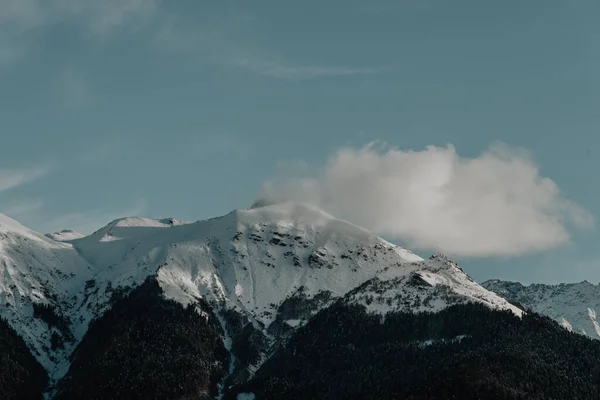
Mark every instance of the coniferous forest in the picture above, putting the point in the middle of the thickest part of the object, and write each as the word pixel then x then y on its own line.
pixel 21 376
pixel 148 347
pixel 462 352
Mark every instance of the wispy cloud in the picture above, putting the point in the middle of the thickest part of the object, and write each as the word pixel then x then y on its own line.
pixel 11 178
pixel 283 70
pixel 228 44
pixel 101 19
pixel 107 16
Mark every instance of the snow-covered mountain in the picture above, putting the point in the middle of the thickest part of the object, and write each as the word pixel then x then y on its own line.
pixel 65 235
pixel 35 269
pixel 572 305
pixel 260 263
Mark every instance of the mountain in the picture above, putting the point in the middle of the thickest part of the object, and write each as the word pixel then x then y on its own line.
pixel 65 235
pixel 146 308
pixel 572 305
pixel 40 280
pixel 249 261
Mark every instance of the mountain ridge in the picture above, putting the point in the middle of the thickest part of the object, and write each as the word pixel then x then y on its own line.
pixel 573 305
pixel 250 261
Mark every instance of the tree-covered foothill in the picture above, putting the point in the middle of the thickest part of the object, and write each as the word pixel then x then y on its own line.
pixel 21 376
pixel 463 352
pixel 148 347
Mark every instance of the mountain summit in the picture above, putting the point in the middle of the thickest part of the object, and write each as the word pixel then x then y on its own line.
pixel 250 261
pixel 217 308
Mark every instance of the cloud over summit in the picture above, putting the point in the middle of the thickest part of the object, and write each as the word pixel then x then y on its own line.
pixel 490 205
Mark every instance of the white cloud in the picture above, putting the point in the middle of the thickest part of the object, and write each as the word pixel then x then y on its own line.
pixel 89 221
pixel 494 204
pixel 11 178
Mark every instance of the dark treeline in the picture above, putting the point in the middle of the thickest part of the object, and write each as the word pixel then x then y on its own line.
pixel 148 347
pixel 463 352
pixel 48 314
pixel 21 376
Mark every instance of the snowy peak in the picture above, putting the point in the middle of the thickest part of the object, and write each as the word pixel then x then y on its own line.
pixel 254 262
pixel 430 285
pixel 573 305
pixel 37 270
pixel 284 212
pixel 65 235
pixel 172 222
pixel 117 227
pixel 309 219
pixel 263 255
pixel 255 259
pixel 279 249
pixel 14 236
pixel 12 228
pixel 263 202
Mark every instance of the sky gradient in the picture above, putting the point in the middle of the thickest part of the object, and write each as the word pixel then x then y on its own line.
pixel 185 108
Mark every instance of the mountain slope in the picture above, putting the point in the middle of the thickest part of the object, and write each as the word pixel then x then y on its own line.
pixel 178 353
pixel 465 351
pixel 572 305
pixel 253 262
pixel 264 273
pixel 21 376
pixel 38 271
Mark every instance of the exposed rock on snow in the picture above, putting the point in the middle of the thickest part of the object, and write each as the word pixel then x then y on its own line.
pixel 274 266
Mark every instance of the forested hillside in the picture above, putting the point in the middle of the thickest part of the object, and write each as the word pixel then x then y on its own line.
pixel 462 352
pixel 148 347
pixel 21 376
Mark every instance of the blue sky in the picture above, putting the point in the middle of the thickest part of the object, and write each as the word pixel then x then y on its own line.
pixel 187 108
